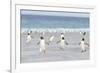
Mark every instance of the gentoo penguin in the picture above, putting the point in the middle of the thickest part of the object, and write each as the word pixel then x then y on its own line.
pixel 42 43
pixel 62 43
pixel 29 38
pixel 83 45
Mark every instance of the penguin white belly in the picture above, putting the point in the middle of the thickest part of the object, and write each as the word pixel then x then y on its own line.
pixel 51 38
pixel 62 36
pixel 82 45
pixel 62 43
pixel 42 45
pixel 29 39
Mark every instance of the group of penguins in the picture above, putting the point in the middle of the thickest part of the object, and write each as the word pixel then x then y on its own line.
pixel 62 42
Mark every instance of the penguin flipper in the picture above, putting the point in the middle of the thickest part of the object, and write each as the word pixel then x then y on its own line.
pixel 79 43
pixel 58 42
pixel 38 43
pixel 47 43
pixel 66 43
pixel 87 44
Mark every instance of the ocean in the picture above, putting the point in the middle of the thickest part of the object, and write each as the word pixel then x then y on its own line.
pixel 45 21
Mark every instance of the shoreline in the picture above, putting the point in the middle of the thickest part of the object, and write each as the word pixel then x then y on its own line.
pixel 24 30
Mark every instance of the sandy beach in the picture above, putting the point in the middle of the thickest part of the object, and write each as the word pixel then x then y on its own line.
pixel 30 51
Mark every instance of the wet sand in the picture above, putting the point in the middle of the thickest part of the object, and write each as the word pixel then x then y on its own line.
pixel 30 51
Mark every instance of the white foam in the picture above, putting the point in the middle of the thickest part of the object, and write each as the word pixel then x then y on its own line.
pixel 41 30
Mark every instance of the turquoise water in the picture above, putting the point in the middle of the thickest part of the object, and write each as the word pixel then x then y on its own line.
pixel 46 21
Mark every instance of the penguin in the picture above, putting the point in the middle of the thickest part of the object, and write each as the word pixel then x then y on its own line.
pixel 62 35
pixel 83 33
pixel 83 45
pixel 42 43
pixel 29 38
pixel 62 43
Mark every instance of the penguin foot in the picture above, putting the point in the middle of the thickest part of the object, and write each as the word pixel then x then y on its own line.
pixel 61 48
pixel 44 51
pixel 83 51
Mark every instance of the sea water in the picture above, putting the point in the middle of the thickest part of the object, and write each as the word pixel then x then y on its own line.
pixel 40 21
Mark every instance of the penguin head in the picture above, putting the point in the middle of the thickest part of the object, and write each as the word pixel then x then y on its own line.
pixel 62 38
pixel 83 39
pixel 41 37
pixel 28 33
